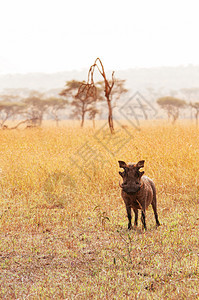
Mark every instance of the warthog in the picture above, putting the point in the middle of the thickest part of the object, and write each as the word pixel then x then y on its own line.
pixel 138 192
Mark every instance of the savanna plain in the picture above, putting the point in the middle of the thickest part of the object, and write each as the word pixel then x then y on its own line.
pixel 63 224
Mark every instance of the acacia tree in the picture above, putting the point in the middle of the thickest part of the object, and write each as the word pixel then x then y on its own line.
pixel 71 89
pixel 191 94
pixel 172 106
pixel 82 100
pixel 196 107
pixel 91 89
pixel 36 107
pixel 54 105
pixel 92 114
pixel 82 104
pixel 9 109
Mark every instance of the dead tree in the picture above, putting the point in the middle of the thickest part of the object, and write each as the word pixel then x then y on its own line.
pixel 89 88
pixel 196 107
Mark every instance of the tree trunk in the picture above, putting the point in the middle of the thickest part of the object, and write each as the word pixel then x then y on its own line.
pixel 94 123
pixel 40 119
pixel 4 120
pixel 197 115
pixel 175 112
pixel 110 116
pixel 57 120
pixel 82 122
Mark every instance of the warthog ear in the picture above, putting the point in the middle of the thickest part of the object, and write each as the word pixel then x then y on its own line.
pixel 140 164
pixel 122 164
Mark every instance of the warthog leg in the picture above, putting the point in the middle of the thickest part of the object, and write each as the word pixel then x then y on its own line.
pixel 136 217
pixel 128 209
pixel 143 219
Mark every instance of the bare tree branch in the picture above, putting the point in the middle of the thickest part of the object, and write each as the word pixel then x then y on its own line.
pixel 90 85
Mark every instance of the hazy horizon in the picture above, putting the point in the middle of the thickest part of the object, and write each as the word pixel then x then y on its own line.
pixel 140 79
pixel 108 70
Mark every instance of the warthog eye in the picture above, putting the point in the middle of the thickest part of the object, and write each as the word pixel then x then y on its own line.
pixel 124 173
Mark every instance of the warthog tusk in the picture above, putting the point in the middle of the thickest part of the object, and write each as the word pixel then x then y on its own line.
pixel 120 184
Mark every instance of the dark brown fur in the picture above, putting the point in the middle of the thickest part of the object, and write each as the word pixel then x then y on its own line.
pixel 138 192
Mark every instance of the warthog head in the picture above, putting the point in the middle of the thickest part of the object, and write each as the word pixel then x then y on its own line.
pixel 131 176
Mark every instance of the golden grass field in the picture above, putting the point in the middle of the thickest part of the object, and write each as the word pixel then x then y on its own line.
pixel 63 224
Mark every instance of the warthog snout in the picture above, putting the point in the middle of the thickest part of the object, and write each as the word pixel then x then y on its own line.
pixel 130 188
pixel 138 191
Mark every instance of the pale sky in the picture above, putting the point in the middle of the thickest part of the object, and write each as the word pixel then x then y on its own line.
pixel 60 35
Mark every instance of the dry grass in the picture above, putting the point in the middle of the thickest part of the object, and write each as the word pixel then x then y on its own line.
pixel 63 225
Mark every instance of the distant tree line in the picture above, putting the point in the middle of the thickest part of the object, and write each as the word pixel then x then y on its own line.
pixel 83 100
pixel 31 109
